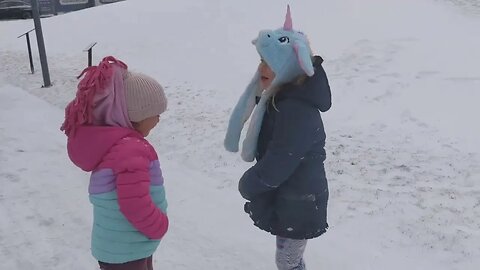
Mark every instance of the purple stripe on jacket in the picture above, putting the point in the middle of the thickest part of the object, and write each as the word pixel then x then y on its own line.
pixel 103 181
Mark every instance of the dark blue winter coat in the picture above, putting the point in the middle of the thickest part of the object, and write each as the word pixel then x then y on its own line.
pixel 287 187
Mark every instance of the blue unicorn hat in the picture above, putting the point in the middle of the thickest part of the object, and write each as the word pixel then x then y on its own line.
pixel 288 54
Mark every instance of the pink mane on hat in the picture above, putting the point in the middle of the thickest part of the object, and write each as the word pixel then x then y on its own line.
pixel 80 111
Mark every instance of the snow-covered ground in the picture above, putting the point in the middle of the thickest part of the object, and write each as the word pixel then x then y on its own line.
pixel 402 135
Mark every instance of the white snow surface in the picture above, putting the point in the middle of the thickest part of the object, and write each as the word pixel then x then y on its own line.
pixel 402 135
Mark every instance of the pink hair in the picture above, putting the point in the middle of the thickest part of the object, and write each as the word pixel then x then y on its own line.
pixel 80 111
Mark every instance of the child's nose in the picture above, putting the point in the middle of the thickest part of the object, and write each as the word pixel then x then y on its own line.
pixel 261 67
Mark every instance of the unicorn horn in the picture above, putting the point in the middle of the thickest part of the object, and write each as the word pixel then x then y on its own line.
pixel 288 20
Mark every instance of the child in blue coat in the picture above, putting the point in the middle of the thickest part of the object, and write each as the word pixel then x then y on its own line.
pixel 287 188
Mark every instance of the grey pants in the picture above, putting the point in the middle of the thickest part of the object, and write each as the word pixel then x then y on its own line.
pixel 290 254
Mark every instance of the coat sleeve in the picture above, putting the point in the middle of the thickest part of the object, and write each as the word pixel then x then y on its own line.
pixel 293 136
pixel 320 81
pixel 133 189
pixel 326 100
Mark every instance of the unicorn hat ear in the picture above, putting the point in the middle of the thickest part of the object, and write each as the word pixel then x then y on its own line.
pixel 304 57
pixel 241 113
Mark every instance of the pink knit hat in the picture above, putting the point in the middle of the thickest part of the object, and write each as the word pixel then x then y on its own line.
pixel 110 95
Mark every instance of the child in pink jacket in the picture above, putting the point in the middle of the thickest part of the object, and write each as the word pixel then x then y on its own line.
pixel 114 109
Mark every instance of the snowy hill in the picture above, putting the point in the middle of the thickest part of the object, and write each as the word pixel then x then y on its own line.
pixel 402 135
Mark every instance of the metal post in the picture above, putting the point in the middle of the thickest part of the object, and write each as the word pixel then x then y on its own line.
pixel 41 44
pixel 90 57
pixel 27 35
pixel 32 68
pixel 89 49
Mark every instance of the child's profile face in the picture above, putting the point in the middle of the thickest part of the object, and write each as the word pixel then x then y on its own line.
pixel 266 75
pixel 146 125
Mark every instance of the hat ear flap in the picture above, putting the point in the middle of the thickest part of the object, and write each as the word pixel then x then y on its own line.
pixel 304 58
pixel 241 113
